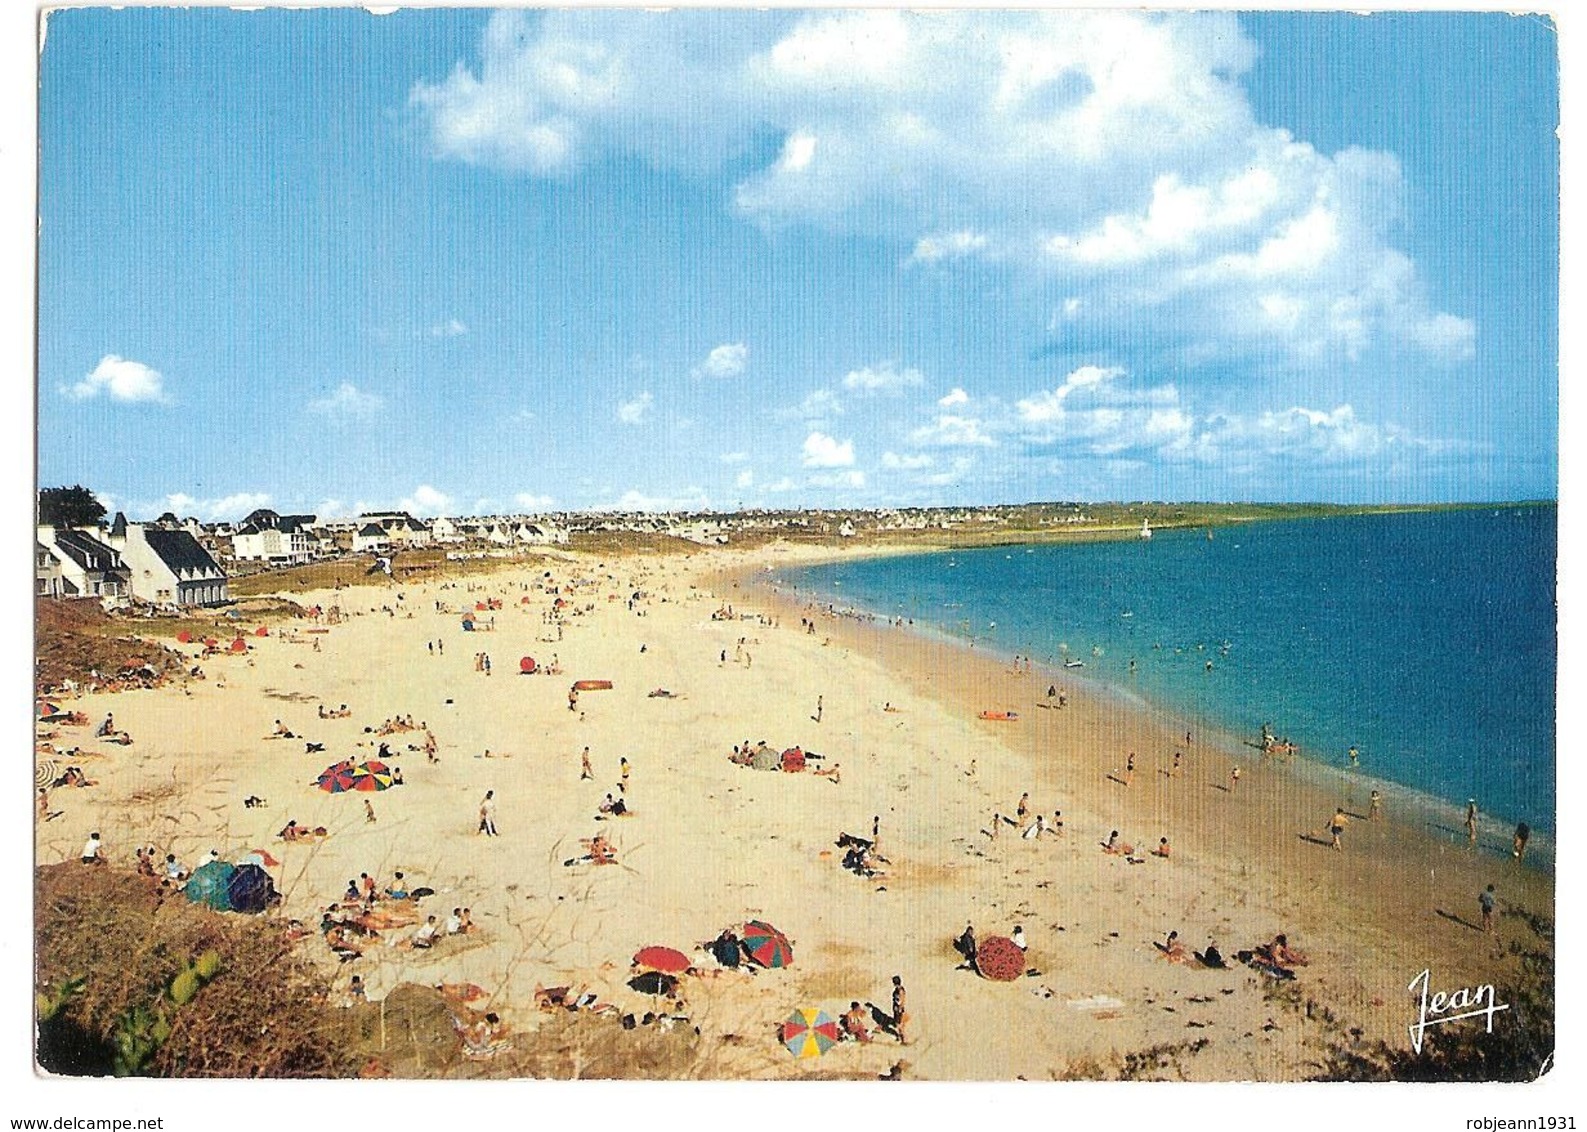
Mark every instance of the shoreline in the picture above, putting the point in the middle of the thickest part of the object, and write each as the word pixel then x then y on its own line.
pixel 1434 811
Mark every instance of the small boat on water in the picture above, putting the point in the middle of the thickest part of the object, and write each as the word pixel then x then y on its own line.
pixel 1146 528
pixel 1074 664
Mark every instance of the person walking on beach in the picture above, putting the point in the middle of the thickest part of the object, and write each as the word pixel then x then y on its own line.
pixel 622 784
pixel 369 812
pixel 1129 769
pixel 818 709
pixel 901 1015
pixel 1336 826
pixel 584 770
pixel 487 814
pixel 1178 757
pixel 1234 778
pixel 1471 822
pixel 1376 811
pixel 1523 834
pixel 1486 901
pixel 1023 808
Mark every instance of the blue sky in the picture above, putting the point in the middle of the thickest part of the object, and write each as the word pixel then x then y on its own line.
pixel 463 262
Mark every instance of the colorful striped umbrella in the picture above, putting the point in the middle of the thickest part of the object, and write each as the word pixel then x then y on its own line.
pixel 337 778
pixel 809 1033
pixel 765 945
pixel 371 776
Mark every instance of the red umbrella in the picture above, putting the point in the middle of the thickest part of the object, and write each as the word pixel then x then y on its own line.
pixel 262 631
pixel 766 945
pixel 667 960
pixel 239 645
pixel 999 958
pixel 527 665
pixel 185 637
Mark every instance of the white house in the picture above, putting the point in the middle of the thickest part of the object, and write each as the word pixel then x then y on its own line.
pixel 51 582
pixel 88 567
pixel 284 542
pixel 167 566
pixel 371 538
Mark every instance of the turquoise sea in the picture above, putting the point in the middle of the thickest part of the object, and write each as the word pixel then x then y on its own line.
pixel 1426 639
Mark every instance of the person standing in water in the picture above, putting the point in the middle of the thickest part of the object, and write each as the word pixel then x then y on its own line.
pixel 1471 822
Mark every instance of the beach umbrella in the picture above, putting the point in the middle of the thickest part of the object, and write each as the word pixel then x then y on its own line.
pixel 527 665
pixel 45 773
pixel 239 645
pixel 260 857
pixel 48 710
pixel 371 776
pixel 335 779
pixel 999 958
pixel 809 1033
pixel 210 642
pixel 185 637
pixel 262 631
pixel 765 945
pixel 667 960
pixel 209 884
pixel 654 983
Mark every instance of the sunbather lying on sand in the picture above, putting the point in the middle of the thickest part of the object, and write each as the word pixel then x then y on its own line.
pixel 1117 848
pixel 1280 953
pixel 1174 951
pixel 598 851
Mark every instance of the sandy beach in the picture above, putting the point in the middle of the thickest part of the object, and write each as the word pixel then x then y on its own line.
pixel 708 844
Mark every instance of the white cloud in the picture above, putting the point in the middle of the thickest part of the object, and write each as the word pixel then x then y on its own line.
pixel 635 411
pixel 426 502
pixel 332 509
pixel 955 396
pixel 1049 406
pixel 726 360
pixel 531 502
pixel 950 430
pixel 818 405
pixel 227 508
pixel 690 499
pixel 451 328
pixel 885 377
pixel 1445 336
pixel 1116 148
pixel 894 461
pixel 745 478
pixel 954 245
pixel 121 380
pixel 347 401
pixel 822 451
